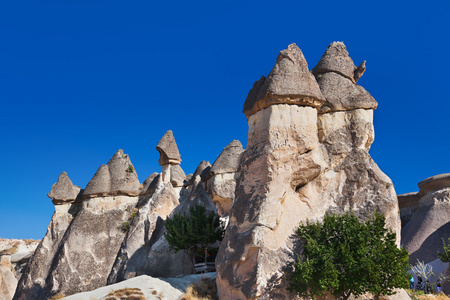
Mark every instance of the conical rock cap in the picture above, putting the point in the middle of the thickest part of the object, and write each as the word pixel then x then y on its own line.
pixel 229 160
pixel 289 82
pixel 168 150
pixel 118 177
pixel 63 191
pixel 336 59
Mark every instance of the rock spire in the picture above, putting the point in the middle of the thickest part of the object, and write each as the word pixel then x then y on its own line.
pixel 64 191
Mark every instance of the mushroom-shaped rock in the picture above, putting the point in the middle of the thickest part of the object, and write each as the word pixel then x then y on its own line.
pixel 168 150
pixel 228 161
pixel 64 191
pixel 289 82
pixel 434 183
pixel 336 59
pixel 118 177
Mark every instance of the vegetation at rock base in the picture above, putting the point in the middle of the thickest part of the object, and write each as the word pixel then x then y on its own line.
pixel 344 256
pixel 194 232
pixel 445 257
pixel 205 289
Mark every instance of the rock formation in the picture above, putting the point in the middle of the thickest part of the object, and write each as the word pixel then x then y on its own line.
pixel 223 176
pixel 82 241
pixel 425 221
pixel 14 255
pixel 307 154
pixel 157 200
pixel 65 195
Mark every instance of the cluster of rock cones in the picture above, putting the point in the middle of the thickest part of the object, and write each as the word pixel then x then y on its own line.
pixel 307 154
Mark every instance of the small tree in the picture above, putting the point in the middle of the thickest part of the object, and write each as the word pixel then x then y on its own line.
pixel 343 256
pixel 194 232
pixel 445 257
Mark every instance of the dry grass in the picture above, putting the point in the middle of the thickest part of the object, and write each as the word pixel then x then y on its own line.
pixel 13 249
pixel 205 289
pixel 57 296
pixel 126 294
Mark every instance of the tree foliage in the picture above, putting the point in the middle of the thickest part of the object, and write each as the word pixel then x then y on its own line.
pixel 194 232
pixel 343 256
pixel 445 257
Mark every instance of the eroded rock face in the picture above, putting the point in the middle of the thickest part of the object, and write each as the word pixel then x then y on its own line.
pixel 144 229
pixel 426 215
pixel 83 239
pixel 298 165
pixel 223 175
pixel 33 281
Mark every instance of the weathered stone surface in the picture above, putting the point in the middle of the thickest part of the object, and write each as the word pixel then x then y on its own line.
pixel 434 183
pixel 342 94
pixel 8 280
pixel 289 82
pixel 33 281
pixel 223 174
pixel 168 150
pixel 149 185
pixel 422 235
pixel 408 204
pixel 336 59
pixel 64 191
pixel 298 166
pixel 177 176
pixel 142 234
pixel 203 170
pixel 229 160
pixel 118 177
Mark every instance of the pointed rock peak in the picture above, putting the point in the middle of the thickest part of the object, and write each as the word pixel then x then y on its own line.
pixel 63 191
pixel 118 177
pixel 203 170
pixel 168 150
pixel 229 160
pixel 289 82
pixel 336 59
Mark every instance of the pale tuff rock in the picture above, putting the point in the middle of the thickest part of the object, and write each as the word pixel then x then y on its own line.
pixel 434 183
pixel 168 150
pixel 426 218
pixel 298 165
pixel 289 82
pixel 32 282
pixel 336 59
pixel 177 176
pixel 143 232
pixel 118 177
pixel 224 172
pixel 149 184
pixel 8 281
pixel 64 191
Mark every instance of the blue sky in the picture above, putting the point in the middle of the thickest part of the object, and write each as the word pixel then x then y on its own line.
pixel 81 79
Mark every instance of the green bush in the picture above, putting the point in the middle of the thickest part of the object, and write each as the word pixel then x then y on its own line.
pixel 343 256
pixel 194 232
pixel 445 257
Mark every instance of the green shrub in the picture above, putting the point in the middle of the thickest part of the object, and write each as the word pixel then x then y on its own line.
pixel 343 256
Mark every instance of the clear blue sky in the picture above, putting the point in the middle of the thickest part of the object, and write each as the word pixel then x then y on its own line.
pixel 81 79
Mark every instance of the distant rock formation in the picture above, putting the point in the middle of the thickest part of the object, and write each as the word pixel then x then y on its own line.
pixel 425 221
pixel 307 154
pixel 14 255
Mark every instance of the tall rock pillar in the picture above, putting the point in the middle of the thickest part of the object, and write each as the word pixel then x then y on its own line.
pixel 283 154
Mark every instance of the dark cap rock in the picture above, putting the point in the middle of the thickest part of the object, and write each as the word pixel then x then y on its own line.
pixel 168 150
pixel 64 191
pixel 118 177
pixel 229 160
pixel 336 59
pixel 342 94
pixel 289 82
